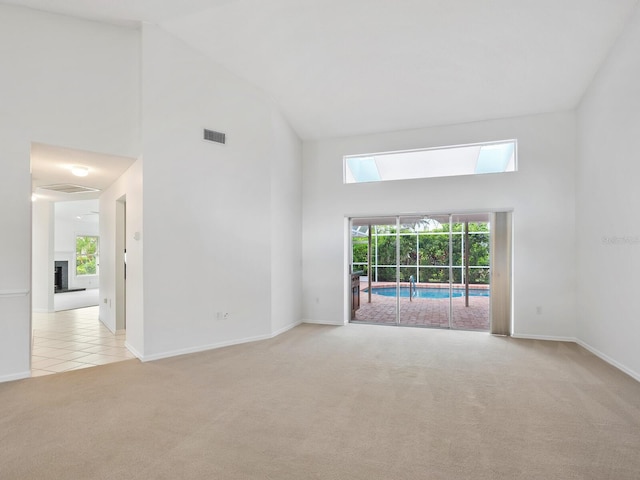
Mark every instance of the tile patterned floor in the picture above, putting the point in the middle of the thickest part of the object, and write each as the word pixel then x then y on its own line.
pixel 71 340
pixel 425 312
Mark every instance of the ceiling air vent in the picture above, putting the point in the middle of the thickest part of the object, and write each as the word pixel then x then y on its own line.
pixel 69 188
pixel 214 136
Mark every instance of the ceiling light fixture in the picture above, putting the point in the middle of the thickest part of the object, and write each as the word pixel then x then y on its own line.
pixel 79 171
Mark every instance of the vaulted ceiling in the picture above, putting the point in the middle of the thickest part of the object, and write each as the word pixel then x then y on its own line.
pixel 345 67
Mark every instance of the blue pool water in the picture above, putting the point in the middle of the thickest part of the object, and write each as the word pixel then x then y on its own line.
pixel 428 292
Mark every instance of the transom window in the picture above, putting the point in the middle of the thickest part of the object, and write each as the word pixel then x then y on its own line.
pixel 475 159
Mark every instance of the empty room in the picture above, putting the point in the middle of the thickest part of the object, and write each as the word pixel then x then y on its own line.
pixel 336 239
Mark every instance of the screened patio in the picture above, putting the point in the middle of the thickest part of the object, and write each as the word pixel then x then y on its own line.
pixel 428 271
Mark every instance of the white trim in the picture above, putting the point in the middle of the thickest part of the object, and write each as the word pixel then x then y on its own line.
pixel 377 216
pixel 550 338
pixel 443 147
pixel 108 327
pixel 325 322
pixel 137 354
pixel 633 374
pixel 202 348
pixel 14 293
pixel 285 328
pixel 211 346
pixel 15 376
pixel 609 360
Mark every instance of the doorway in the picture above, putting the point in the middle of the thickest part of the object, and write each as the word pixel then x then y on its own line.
pixel 424 270
pixel 80 336
pixel 73 339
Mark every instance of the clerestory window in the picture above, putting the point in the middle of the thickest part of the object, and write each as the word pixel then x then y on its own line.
pixel 476 159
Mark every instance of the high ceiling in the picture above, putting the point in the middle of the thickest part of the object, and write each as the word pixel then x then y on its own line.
pixel 345 67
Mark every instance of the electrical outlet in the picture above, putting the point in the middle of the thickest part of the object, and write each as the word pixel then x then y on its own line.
pixel 539 310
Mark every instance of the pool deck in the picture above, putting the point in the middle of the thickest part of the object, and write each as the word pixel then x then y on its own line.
pixel 424 312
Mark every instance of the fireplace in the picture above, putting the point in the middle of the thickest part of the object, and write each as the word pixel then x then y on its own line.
pixel 61 276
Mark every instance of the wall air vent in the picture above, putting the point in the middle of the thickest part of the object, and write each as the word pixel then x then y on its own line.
pixel 214 136
pixel 69 188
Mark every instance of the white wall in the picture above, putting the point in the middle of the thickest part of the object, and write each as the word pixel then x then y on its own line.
pixel 541 195
pixel 42 263
pixel 608 198
pixel 286 228
pixel 129 184
pixel 64 82
pixel 208 207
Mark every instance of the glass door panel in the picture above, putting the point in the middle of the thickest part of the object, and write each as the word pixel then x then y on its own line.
pixel 408 270
pixel 424 271
pixel 373 243
pixel 470 265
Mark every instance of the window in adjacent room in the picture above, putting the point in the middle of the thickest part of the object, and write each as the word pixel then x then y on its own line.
pixel 86 255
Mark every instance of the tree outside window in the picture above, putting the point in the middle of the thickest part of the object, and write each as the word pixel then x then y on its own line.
pixel 86 255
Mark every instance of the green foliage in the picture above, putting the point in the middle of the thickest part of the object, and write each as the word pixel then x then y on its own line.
pixel 86 255
pixel 386 250
pixel 434 249
pixel 428 249
pixel 433 275
pixel 360 251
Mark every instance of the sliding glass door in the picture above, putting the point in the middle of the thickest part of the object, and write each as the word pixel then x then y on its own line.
pixel 374 257
pixel 470 271
pixel 424 270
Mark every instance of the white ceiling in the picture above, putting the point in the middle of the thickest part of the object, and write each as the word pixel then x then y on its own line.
pixel 52 166
pixel 345 67
pixel 84 211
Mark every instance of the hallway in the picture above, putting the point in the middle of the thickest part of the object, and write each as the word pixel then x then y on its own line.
pixel 73 339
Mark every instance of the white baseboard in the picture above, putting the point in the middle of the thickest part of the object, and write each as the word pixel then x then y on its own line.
pixel 15 376
pixel 609 360
pixel 285 328
pixel 202 348
pixel 544 337
pixel 108 327
pixel 595 351
pixel 213 346
pixel 323 322
pixel 133 350
pixel 42 310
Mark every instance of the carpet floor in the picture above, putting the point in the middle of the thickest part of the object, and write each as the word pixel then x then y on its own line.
pixel 320 402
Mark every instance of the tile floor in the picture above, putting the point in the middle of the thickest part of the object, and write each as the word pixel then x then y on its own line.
pixel 71 340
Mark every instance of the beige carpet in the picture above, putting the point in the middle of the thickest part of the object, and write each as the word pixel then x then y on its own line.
pixel 354 402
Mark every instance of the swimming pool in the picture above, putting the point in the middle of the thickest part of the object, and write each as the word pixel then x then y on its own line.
pixel 421 292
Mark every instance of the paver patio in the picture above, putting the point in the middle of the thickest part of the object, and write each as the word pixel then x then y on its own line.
pixel 424 312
